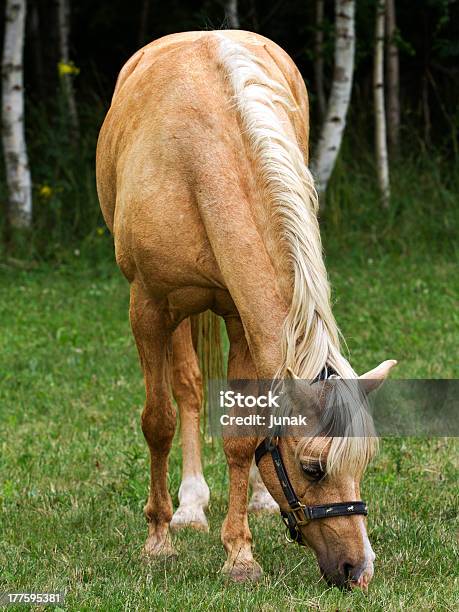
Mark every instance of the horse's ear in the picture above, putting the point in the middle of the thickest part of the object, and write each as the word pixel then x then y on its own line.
pixel 374 378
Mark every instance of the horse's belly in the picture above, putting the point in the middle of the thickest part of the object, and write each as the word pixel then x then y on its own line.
pixel 166 251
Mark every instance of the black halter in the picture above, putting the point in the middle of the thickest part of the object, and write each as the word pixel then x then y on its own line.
pixel 299 513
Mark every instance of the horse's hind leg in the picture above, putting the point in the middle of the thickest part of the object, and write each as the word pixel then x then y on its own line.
pixel 187 389
pixel 152 331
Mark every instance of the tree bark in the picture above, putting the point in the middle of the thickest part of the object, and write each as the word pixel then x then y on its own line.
pixel 13 133
pixel 340 94
pixel 232 14
pixel 380 117
pixel 319 58
pixel 63 12
pixel 393 79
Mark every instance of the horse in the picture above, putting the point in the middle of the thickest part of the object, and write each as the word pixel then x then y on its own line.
pixel 203 181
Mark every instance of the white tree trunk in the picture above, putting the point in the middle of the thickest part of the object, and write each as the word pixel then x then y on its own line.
pixel 63 12
pixel 338 103
pixel 380 117
pixel 13 132
pixel 393 78
pixel 319 57
pixel 232 14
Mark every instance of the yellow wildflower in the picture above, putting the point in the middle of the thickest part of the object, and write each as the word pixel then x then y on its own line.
pixel 45 191
pixel 65 68
pixel 100 231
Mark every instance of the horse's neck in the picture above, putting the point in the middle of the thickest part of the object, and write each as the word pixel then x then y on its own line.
pixel 248 253
pixel 263 229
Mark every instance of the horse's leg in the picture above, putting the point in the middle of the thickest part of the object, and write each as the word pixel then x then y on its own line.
pixel 187 388
pixel 261 500
pixel 236 537
pixel 152 332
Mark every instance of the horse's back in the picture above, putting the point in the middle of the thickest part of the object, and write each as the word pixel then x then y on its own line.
pixel 169 130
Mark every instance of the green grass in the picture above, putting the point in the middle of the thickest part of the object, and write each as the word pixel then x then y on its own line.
pixel 73 462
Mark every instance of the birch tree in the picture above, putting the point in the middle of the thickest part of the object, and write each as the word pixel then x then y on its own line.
pixel 13 133
pixel 232 14
pixel 393 78
pixel 382 162
pixel 340 94
pixel 66 68
pixel 319 57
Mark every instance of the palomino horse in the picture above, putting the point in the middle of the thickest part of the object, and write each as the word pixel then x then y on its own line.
pixel 203 180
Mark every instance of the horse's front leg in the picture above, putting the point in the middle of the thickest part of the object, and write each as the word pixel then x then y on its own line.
pixel 236 537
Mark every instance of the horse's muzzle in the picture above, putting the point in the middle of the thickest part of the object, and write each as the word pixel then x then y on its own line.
pixel 348 575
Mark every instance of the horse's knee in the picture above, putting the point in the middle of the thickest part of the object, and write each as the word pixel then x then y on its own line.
pixel 158 424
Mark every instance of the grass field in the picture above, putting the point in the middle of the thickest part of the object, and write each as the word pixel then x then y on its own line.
pixel 73 462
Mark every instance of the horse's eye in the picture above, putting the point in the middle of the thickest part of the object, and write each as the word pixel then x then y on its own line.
pixel 313 471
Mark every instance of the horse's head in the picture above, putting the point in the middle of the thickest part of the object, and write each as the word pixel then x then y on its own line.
pixel 325 472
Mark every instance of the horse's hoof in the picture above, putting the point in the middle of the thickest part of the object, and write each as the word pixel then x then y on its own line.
pixel 263 503
pixel 191 517
pixel 243 572
pixel 158 549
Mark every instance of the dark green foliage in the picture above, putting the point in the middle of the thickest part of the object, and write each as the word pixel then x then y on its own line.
pixel 424 212
pixel 66 205
pixel 105 34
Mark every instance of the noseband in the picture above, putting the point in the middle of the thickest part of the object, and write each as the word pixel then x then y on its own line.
pixel 300 514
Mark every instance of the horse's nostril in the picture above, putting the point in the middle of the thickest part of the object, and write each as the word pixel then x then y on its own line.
pixel 346 574
pixel 351 572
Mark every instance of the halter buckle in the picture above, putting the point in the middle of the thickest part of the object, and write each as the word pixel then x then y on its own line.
pixel 300 514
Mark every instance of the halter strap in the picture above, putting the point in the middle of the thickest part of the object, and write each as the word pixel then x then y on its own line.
pixel 267 446
pixel 299 513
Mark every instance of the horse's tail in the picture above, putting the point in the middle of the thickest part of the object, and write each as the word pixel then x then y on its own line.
pixel 207 339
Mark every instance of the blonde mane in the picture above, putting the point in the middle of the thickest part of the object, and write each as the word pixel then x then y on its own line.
pixel 310 336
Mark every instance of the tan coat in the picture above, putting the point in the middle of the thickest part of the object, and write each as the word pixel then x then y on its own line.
pixel 183 195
